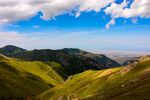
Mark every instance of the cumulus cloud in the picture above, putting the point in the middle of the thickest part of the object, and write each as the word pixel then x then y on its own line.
pixel 16 10
pixel 139 8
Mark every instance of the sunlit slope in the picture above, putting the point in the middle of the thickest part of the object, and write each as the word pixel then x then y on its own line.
pixel 125 83
pixel 21 80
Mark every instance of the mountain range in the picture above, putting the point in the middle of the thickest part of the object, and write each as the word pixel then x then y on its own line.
pixel 72 61
pixel 70 74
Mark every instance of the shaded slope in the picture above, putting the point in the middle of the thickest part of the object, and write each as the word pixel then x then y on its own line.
pixel 102 59
pixel 130 61
pixel 12 51
pixel 125 83
pixel 72 64
pixel 122 60
pixel 21 80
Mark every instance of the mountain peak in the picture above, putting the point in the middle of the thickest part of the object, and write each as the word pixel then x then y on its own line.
pixel 11 46
pixel 11 50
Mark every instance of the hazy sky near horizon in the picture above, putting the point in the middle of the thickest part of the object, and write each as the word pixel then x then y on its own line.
pixel 86 24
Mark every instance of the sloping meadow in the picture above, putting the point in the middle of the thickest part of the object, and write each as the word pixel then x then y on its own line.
pixel 20 80
pixel 124 83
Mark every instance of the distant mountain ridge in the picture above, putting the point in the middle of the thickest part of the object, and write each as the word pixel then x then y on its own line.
pixel 100 58
pixel 73 61
pixel 12 51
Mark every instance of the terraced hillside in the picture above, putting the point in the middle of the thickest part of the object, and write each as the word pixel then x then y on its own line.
pixel 20 80
pixel 124 83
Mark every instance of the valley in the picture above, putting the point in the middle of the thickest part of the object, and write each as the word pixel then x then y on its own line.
pixel 71 74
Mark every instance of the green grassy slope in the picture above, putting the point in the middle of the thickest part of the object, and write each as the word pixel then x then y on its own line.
pixel 21 80
pixel 125 83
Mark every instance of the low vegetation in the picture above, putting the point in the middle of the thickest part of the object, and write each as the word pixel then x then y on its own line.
pixel 20 80
pixel 124 83
pixel 30 79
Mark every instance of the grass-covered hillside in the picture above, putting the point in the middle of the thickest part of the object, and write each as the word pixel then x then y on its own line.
pixel 20 80
pixel 123 83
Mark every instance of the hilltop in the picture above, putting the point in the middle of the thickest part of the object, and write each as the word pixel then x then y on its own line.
pixel 12 51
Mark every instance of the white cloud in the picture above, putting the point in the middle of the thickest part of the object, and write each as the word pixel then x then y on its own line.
pixel 139 8
pixel 16 10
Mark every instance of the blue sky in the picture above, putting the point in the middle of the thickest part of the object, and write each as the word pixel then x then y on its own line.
pixel 89 30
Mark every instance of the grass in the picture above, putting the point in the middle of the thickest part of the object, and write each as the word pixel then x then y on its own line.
pixel 20 80
pixel 109 84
